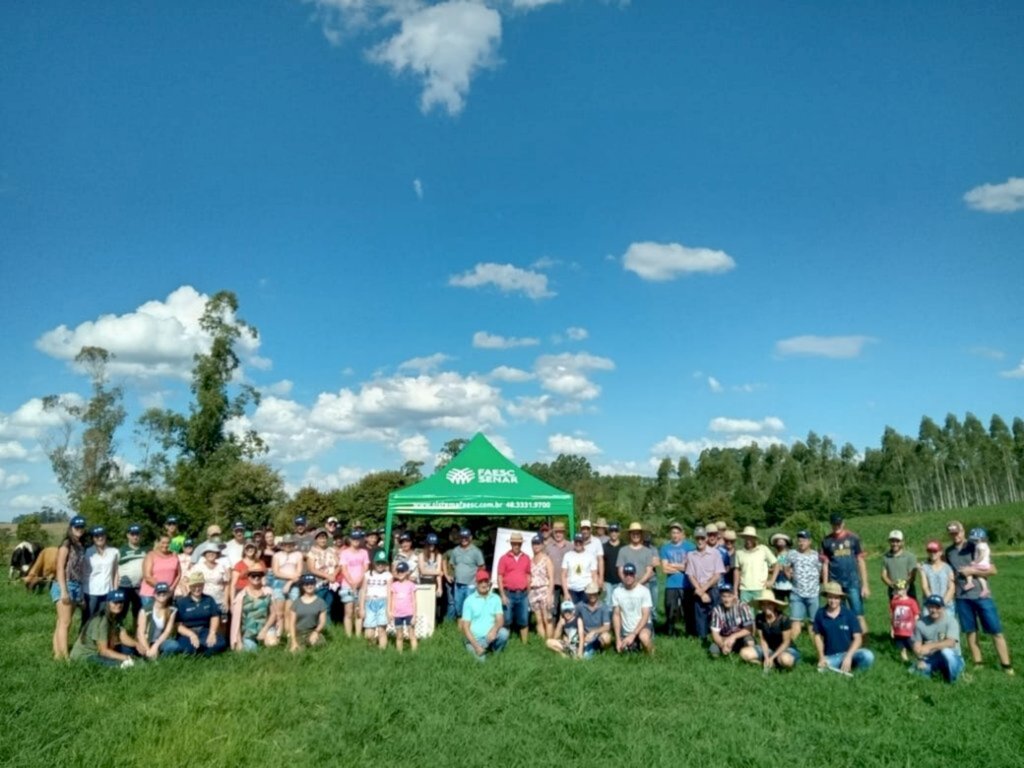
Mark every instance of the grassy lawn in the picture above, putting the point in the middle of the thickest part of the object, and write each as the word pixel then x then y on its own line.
pixel 351 705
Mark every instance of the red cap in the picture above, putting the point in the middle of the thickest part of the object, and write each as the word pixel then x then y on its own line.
pixel 934 546
pixel 483 575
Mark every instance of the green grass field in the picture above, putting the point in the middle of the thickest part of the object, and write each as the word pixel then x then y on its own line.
pixel 351 705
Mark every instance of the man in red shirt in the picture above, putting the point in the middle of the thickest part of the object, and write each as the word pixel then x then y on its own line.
pixel 513 586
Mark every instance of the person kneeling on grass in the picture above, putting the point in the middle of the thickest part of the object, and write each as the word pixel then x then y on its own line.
pixel 568 639
pixel 837 635
pixel 373 600
pixel 632 607
pixel 155 635
pixel 402 606
pixel 732 625
pixel 307 615
pixel 937 641
pixel 103 639
pixel 253 619
pixel 774 636
pixel 199 620
pixel 597 622
pixel 483 619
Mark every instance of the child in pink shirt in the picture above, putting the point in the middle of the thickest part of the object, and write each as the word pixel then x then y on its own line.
pixel 402 606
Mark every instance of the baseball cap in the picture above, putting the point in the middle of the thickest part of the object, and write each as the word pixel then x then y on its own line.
pixel 380 557
pixel 482 575
pixel 978 534
pixel 613 527
pixel 172 520
pixel 357 534
pixel 699 532
pixel 954 525
pixel 115 596
pixel 161 587
pixel 725 588
pixel 578 537
pixel 803 534
pixel 330 520
pixel 300 520
pixel 568 605
pixel 895 535
pixel 134 528
pixel 629 569
pixel 98 530
pixel 238 526
pixel 405 536
pixel 934 601
pixel 538 539
pixel 465 533
pixel 836 519
pixel 307 578
pixel 188 543
pixel 78 521
pixel 431 538
pixel 402 567
pixel 675 525
pixel 321 532
pixel 934 546
pixel 585 524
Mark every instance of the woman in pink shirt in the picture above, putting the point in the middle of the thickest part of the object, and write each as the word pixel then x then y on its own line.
pixel 402 606
pixel 353 562
pixel 160 565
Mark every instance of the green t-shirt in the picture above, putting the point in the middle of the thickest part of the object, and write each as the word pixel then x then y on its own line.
pixel 899 567
pixel 87 644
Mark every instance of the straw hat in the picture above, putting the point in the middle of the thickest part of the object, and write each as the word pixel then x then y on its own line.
pixel 767 596
pixel 833 589
pixel 635 526
pixel 750 531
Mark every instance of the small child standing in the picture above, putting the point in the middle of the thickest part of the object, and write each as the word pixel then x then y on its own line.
pixel 373 600
pixel 903 611
pixel 402 606
pixel 982 560
pixel 568 639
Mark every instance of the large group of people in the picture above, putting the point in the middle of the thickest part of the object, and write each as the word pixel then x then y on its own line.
pixel 583 595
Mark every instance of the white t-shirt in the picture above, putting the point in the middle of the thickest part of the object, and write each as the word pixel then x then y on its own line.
pixel 595 547
pixel 99 570
pixel 233 552
pixel 631 603
pixel 580 569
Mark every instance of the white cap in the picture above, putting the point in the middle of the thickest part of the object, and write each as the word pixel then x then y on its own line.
pixel 585 524
pixel 896 534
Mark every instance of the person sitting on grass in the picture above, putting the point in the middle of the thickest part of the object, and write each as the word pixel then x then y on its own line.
pixel 199 620
pixel 155 635
pixel 837 634
pixel 937 641
pixel 632 607
pixel 307 615
pixel 402 606
pixel 103 639
pixel 597 622
pixel 773 647
pixel 253 620
pixel 903 613
pixel 568 639
pixel 483 619
pixel 732 624
pixel 373 600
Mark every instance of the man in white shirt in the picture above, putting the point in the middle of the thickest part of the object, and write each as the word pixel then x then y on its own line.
pixel 631 614
pixel 234 548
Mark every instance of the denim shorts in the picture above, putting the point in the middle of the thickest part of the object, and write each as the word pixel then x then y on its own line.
pixel 982 611
pixel 792 651
pixel 403 621
pixel 347 594
pixel 802 608
pixel 376 614
pixel 293 593
pixel 74 591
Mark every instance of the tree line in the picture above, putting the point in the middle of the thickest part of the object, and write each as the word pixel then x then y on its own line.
pixel 194 467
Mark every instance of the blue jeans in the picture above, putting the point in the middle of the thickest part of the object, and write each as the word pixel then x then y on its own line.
pixel 853 598
pixel 93 605
pixel 702 613
pixel 972 612
pixel 219 645
pixel 496 646
pixel 517 612
pixel 862 659
pixel 802 608
pixel 325 594
pixel 106 662
pixel 947 662
pixel 462 591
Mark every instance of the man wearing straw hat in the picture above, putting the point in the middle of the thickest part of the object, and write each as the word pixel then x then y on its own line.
pixel 837 635
pixel 637 555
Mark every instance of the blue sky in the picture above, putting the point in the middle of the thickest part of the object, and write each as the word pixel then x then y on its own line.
pixel 625 230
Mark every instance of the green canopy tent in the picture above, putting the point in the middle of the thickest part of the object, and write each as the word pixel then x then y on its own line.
pixel 479 482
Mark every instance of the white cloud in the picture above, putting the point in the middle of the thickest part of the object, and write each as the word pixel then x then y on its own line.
pixel 622 468
pixel 424 364
pixel 279 388
pixel 529 5
pixel 823 346
pixel 286 428
pixel 415 448
pixel 667 261
pixel 159 339
pixel 332 481
pixel 484 340
pixel 767 424
pixel 675 447
pixel 13 450
pixel 503 447
pixel 10 480
pixel 545 262
pixel 988 352
pixel 36 502
pixel 509 374
pixel 568 444
pixel 541 408
pixel 1015 373
pixel 575 333
pixel 31 421
pixel 445 45
pixel 746 388
pixel 714 384
pixel 566 374
pixel 417 187
pixel 997 198
pixel 506 278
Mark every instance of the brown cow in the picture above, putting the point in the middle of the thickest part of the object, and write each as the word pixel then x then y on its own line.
pixel 43 570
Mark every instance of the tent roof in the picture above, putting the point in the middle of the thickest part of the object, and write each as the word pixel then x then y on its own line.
pixel 481 481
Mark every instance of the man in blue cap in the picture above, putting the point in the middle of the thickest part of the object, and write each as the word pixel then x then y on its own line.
pixel 937 642
pixel 130 567
pixel 465 560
